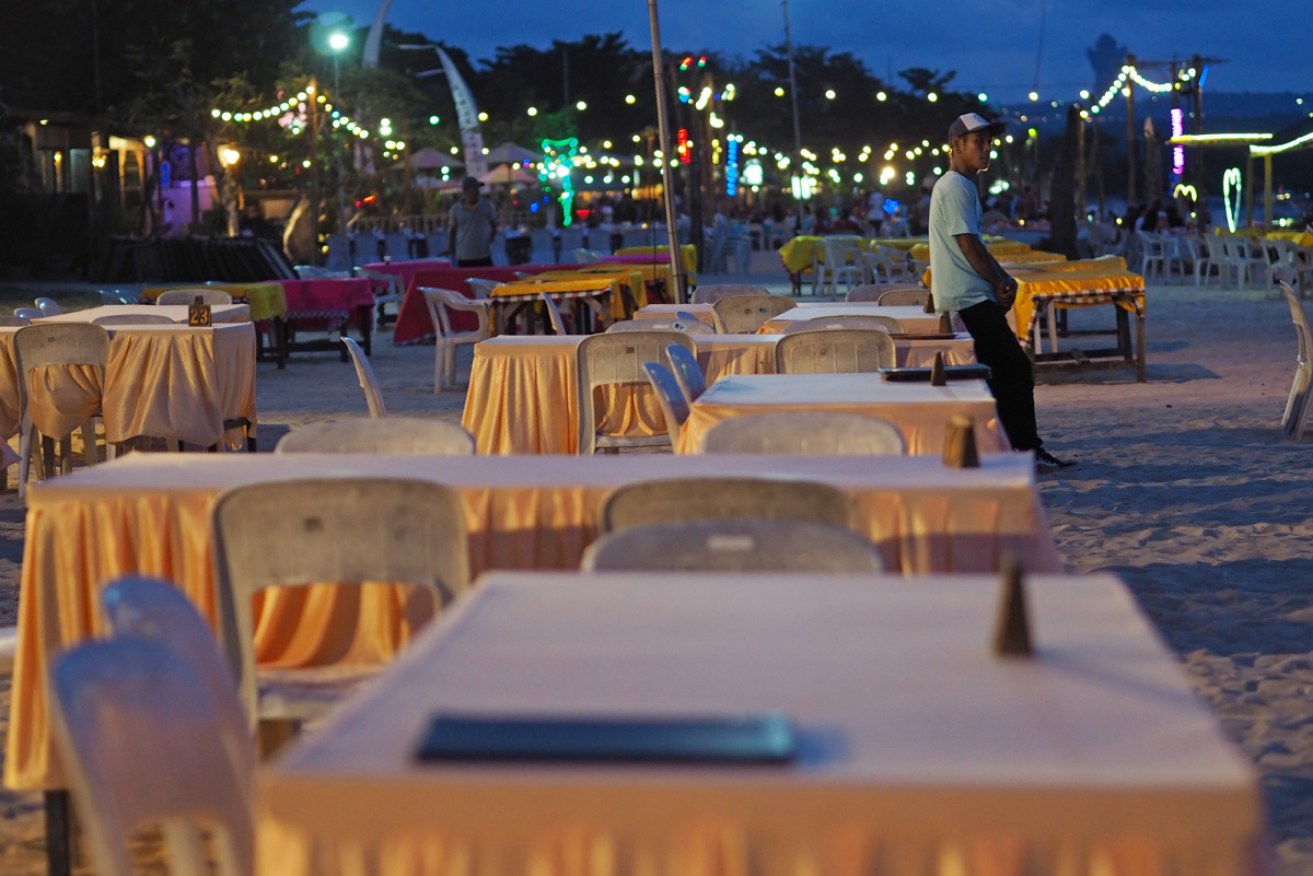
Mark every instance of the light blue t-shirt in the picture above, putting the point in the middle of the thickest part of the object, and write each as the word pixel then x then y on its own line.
pixel 955 209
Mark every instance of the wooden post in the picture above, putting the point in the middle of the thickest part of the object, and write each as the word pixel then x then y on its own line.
pixel 1130 136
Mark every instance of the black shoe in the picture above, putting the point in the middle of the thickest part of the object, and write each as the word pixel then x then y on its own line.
pixel 1045 461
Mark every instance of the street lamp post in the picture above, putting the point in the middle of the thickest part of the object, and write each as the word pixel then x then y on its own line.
pixel 338 41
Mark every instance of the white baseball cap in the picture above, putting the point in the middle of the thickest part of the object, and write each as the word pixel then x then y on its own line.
pixel 969 123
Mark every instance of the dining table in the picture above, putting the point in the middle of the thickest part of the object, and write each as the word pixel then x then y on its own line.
pixel 920 411
pixel 178 313
pixel 333 305
pixel 522 395
pixel 148 513
pixel 896 741
pixel 175 382
pixel 268 304
pixel 414 326
pixel 914 320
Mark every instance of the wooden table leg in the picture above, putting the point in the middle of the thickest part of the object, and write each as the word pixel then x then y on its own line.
pixel 59 834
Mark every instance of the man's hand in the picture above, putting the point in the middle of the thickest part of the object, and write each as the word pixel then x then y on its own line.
pixel 1005 291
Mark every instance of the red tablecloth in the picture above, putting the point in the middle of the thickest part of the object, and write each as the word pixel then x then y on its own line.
pixel 327 303
pixel 406 270
pixel 413 323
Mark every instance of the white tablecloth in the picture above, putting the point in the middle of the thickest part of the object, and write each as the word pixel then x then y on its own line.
pixel 919 410
pixel 920 752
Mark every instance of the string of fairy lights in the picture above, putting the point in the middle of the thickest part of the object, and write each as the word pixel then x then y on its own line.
pixel 293 114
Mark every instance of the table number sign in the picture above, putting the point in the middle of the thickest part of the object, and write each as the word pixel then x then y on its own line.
pixel 199 313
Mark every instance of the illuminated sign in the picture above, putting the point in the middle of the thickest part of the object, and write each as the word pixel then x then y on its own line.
pixel 684 149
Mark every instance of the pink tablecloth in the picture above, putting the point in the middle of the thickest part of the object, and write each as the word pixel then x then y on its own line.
pixel 406 270
pixel 413 323
pixel 329 301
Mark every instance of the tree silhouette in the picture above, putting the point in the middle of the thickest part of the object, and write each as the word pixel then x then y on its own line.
pixel 1106 57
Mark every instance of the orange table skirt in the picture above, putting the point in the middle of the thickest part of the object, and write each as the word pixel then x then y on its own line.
pixel 149 514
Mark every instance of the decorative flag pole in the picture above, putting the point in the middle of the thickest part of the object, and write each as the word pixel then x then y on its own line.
pixel 680 292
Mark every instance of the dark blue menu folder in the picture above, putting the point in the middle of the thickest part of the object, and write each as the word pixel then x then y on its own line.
pixel 922 375
pixel 738 739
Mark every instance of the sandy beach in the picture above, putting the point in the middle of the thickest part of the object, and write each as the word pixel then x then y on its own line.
pixel 1186 487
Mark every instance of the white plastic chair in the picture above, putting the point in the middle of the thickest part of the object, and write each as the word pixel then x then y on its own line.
pixel 133 319
pixel 143 742
pixel 674 500
pixel 835 351
pixel 671 398
pixel 1152 254
pixel 711 293
pixel 345 531
pixel 188 296
pixel 387 288
pixel 553 314
pixel 365 376
pixel 58 344
pixel 734 546
pixel 439 301
pixel 688 373
pixel 904 297
pixel 842 259
pixel 27 313
pixel 744 314
pixel 155 609
pixel 398 436
pixel 848 321
pixel 1297 402
pixel 805 433
pixel 587 256
pixel 688 327
pixel 48 306
pixel 617 359
pixel 481 288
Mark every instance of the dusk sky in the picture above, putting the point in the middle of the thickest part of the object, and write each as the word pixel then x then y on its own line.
pixel 993 46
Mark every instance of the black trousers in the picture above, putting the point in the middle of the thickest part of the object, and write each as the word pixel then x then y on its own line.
pixel 1012 379
pixel 485 262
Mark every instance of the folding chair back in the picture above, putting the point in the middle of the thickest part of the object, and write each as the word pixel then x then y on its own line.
pixel 744 314
pixel 398 436
pixel 143 742
pixel 805 433
pixel 711 293
pixel 747 545
pixel 675 500
pixel 612 359
pixel 671 398
pixel 834 351
pixel 208 295
pixel 365 376
pixel 692 382
pixel 850 321
pixel 341 531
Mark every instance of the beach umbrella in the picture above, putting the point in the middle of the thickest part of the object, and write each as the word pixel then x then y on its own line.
pixel 509 175
pixel 429 158
pixel 512 153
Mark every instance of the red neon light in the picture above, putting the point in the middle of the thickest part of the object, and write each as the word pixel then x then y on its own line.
pixel 683 149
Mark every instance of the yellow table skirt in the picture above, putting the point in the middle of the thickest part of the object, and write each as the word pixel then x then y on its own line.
pixel 267 300
pixel 172 382
pixel 149 514
pixel 557 282
pixel 1073 283
pixel 688 253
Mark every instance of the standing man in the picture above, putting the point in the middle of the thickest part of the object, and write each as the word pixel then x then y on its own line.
pixel 473 226
pixel 968 281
